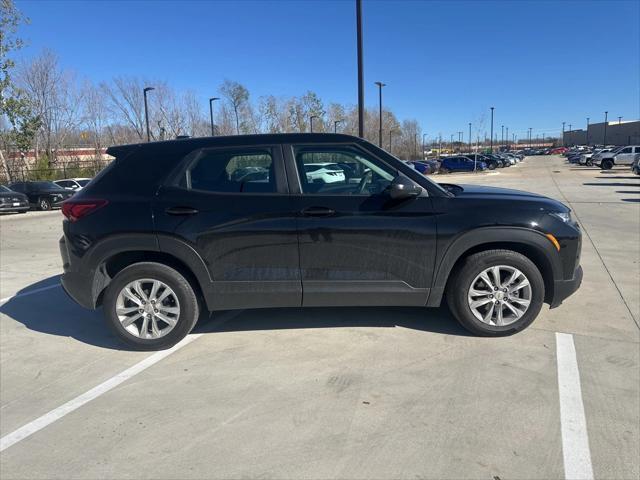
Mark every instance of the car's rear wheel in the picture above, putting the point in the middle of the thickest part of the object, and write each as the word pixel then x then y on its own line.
pixel 444 170
pixel 492 166
pixel 607 164
pixel 44 203
pixel 496 293
pixel 150 306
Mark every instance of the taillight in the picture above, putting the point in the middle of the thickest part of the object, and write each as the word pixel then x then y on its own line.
pixel 76 209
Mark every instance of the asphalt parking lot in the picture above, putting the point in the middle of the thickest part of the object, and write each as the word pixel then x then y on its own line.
pixel 334 393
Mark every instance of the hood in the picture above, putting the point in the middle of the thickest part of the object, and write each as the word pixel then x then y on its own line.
pixel 19 195
pixel 507 194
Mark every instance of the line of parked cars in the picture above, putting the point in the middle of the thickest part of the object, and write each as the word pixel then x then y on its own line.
pixel 21 197
pixel 605 157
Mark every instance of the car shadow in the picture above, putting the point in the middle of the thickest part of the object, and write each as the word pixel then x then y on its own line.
pixel 636 177
pixel 629 192
pixel 42 308
pixel 633 200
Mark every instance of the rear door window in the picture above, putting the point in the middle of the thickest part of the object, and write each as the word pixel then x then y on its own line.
pixel 229 171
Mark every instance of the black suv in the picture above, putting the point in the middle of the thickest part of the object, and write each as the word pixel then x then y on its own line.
pixel 169 229
pixel 42 195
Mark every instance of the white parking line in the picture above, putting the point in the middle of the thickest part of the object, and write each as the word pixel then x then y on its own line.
pixel 57 413
pixel 575 440
pixel 36 290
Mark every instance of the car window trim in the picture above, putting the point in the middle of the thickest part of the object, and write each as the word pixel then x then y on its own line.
pixel 276 156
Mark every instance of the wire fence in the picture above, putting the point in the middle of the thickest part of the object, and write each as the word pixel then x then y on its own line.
pixel 72 169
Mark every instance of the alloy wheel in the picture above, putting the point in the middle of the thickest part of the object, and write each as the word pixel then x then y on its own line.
pixel 499 295
pixel 147 308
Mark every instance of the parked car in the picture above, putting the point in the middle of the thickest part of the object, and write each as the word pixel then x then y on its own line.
pixel 635 167
pixel 558 150
pixel 152 242
pixel 460 164
pixel 42 195
pixel 492 163
pixel 11 201
pixel 72 183
pixel 421 167
pixel 619 156
pixel 324 172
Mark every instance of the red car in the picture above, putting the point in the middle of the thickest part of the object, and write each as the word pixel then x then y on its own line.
pixel 559 151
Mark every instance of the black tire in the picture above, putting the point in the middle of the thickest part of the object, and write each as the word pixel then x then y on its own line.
pixel 492 166
pixel 589 162
pixel 443 170
pixel 44 204
pixel 607 164
pixel 459 285
pixel 189 306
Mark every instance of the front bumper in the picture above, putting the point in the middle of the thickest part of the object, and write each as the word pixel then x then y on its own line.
pixel 9 207
pixel 563 289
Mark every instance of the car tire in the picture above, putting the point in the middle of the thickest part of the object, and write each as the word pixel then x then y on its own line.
pixel 607 165
pixel 492 167
pixel 181 296
pixel 589 163
pixel 444 170
pixel 459 295
pixel 44 204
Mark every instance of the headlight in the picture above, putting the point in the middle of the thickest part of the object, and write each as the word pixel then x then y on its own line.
pixel 564 216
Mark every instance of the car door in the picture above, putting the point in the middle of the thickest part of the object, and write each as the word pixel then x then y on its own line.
pixel 231 206
pixel 624 156
pixel 357 245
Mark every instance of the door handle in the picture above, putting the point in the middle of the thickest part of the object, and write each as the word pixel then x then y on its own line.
pixel 181 211
pixel 318 212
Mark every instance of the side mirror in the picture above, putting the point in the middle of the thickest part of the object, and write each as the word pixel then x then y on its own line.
pixel 403 187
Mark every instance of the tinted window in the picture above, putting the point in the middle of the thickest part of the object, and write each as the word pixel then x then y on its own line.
pixel 45 186
pixel 229 171
pixel 4 189
pixel 83 183
pixel 626 150
pixel 341 171
pixel 17 187
pixel 64 183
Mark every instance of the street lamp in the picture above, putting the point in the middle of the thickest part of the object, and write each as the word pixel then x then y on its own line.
pixel 530 137
pixel 470 147
pixel 380 85
pixel 563 144
pixel 604 139
pixel 211 100
pixel 619 120
pixel 502 135
pixel 506 137
pixel 491 147
pixel 360 70
pixel 311 121
pixel 424 155
pixel 335 125
pixel 146 110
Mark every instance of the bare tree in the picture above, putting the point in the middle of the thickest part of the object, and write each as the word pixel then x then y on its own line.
pixel 126 103
pixel 237 95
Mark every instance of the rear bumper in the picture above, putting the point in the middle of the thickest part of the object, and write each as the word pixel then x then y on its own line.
pixel 77 286
pixel 10 208
pixel 563 289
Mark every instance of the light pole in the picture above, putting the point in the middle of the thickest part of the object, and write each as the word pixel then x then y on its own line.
pixel 491 147
pixel 619 120
pixel 470 147
pixel 563 144
pixel 451 143
pixel 424 155
pixel 604 139
pixel 360 71
pixel 211 100
pixel 529 137
pixel 587 131
pixel 502 136
pixel 571 131
pixel 335 125
pixel 146 110
pixel 507 139
pixel 380 85
pixel 311 122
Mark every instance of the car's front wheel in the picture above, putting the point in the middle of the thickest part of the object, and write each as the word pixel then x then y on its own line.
pixel 607 165
pixel 150 306
pixel 44 204
pixel 496 293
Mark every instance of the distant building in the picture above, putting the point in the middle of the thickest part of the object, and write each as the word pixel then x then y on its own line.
pixel 618 133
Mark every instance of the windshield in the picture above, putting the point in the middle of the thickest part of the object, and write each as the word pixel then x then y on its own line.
pixel 5 189
pixel 83 183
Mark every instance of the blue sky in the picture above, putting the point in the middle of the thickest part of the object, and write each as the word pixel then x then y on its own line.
pixel 445 62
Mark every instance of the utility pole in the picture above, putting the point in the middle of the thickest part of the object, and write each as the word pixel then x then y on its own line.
pixel 146 110
pixel 604 139
pixel 360 70
pixel 470 146
pixel 587 131
pixel 380 85
pixel 563 143
pixel 491 147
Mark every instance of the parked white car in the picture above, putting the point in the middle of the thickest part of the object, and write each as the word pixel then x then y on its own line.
pixel 324 172
pixel 75 184
pixel 635 168
pixel 587 158
pixel 619 156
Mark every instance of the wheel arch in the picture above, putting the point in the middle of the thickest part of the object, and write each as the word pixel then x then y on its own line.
pixel 530 243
